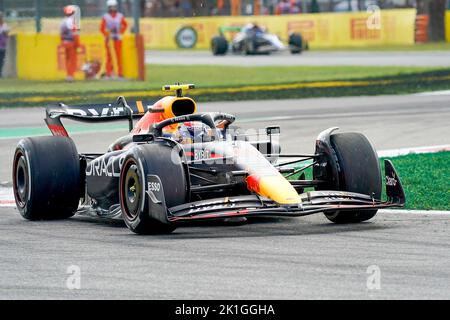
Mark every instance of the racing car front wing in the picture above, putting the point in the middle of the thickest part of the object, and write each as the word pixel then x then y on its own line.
pixel 311 202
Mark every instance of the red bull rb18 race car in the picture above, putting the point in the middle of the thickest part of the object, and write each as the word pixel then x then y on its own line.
pixel 177 166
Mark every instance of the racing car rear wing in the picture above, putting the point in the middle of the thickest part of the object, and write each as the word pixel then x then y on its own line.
pixel 120 110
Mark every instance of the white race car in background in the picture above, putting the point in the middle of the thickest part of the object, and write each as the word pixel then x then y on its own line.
pixel 253 39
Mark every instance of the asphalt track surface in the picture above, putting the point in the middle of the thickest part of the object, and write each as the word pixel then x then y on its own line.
pixel 309 58
pixel 265 259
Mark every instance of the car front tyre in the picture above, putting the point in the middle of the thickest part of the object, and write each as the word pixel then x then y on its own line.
pixel 359 171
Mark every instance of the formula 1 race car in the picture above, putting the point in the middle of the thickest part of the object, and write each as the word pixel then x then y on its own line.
pixel 253 39
pixel 177 166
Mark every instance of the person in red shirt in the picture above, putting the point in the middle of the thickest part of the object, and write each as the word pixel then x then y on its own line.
pixel 70 39
pixel 113 26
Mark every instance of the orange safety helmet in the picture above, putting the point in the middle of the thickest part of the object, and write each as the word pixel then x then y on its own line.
pixel 69 10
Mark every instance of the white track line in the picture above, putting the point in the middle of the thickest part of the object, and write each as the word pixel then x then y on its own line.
pixel 416 212
pixel 416 150
pixel 7 204
pixel 6 197
pixel 433 93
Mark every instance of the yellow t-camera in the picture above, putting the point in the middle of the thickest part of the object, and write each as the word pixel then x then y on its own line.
pixel 179 88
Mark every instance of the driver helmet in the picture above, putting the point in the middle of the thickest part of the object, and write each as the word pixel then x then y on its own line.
pixel 253 27
pixel 191 132
pixel 248 26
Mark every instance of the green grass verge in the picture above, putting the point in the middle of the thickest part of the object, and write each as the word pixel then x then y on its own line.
pixel 407 79
pixel 208 76
pixel 425 179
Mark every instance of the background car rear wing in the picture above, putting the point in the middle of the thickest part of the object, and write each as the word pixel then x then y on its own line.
pixel 225 29
pixel 120 110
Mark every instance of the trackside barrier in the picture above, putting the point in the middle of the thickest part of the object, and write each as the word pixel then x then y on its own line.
pixel 322 30
pixel 41 57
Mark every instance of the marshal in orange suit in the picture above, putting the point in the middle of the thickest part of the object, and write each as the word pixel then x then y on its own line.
pixel 70 39
pixel 113 26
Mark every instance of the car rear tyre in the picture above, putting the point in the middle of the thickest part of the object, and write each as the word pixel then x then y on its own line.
pixel 359 171
pixel 153 159
pixel 219 45
pixel 296 43
pixel 46 178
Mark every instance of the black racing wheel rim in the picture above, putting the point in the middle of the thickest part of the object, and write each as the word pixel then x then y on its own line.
pixel 131 191
pixel 21 180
